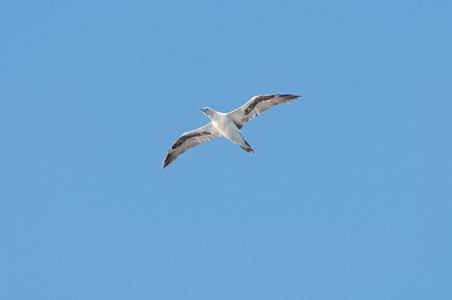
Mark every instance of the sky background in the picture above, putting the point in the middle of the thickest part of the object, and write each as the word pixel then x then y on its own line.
pixel 349 193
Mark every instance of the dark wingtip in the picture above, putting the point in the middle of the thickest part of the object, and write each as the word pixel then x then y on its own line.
pixel 167 160
pixel 289 96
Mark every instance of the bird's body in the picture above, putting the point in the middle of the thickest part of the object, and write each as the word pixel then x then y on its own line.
pixel 225 124
pixel 227 128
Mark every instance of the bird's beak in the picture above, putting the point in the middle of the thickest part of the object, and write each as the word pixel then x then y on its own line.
pixel 203 110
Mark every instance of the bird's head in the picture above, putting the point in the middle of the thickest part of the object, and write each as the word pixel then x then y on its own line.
pixel 207 111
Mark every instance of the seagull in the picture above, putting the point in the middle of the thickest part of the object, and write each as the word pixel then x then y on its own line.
pixel 225 124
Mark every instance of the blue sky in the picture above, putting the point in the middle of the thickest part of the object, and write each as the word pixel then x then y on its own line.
pixel 349 193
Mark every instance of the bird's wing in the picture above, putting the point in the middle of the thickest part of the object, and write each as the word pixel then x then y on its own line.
pixel 189 140
pixel 257 105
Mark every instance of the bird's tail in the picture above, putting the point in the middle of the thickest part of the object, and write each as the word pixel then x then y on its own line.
pixel 247 148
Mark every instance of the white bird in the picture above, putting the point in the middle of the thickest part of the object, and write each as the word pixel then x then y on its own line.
pixel 225 124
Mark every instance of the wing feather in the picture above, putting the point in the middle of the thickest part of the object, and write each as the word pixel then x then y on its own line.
pixel 189 140
pixel 257 105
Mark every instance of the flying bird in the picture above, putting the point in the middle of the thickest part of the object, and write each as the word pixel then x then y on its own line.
pixel 225 124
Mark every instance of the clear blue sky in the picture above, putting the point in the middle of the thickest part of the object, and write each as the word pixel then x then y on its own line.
pixel 349 193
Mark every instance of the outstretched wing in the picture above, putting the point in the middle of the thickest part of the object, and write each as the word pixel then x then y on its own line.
pixel 189 140
pixel 257 105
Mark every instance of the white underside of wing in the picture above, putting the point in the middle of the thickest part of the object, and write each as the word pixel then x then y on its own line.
pixel 257 105
pixel 189 140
